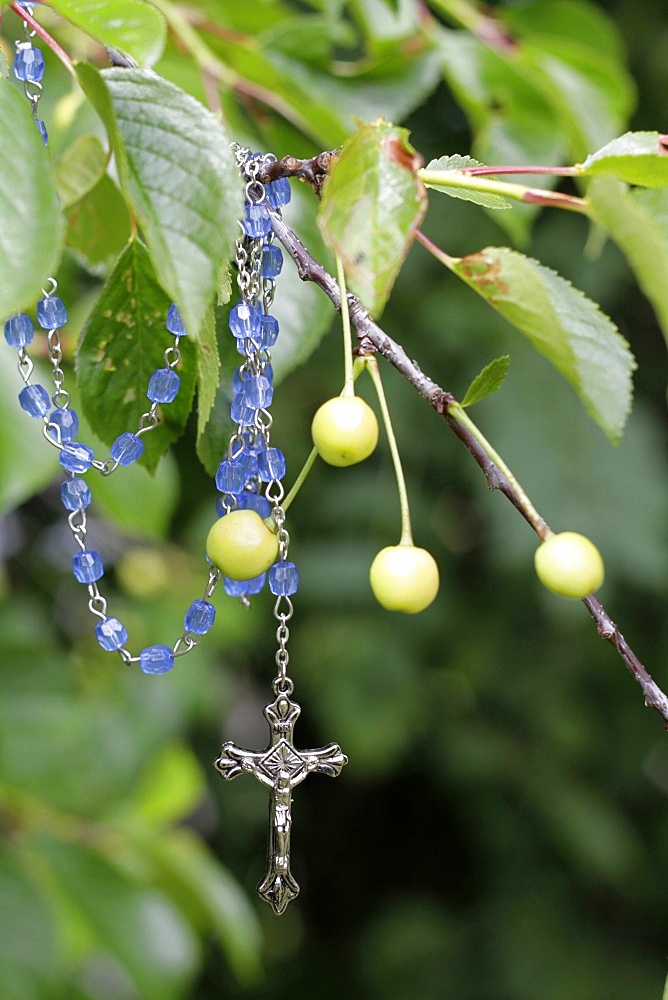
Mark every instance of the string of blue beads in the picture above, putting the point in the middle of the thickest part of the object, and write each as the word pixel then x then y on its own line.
pixel 77 458
pixel 250 460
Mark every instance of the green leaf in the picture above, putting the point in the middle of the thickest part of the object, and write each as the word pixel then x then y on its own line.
pixel 183 184
pixel 80 168
pixel 132 26
pixel 487 381
pixel 455 164
pixel 389 83
pixel 97 93
pixel 638 223
pixel 99 225
pixel 635 157
pixel 31 238
pixel 212 897
pixel 273 80
pixel 563 324
pixel 122 345
pixel 169 789
pixel 575 55
pixel 208 371
pixel 180 177
pixel 371 205
pixel 569 20
pixel 214 434
pixel 592 95
pixel 138 925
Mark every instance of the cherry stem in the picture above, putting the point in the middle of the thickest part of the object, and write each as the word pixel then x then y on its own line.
pixel 457 412
pixel 301 478
pixel 369 362
pixel 371 338
pixel 349 380
pixel 28 19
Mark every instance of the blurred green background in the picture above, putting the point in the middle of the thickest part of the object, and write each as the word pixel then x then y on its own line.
pixel 501 830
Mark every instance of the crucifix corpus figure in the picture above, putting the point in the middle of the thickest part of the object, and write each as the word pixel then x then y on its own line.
pixel 280 767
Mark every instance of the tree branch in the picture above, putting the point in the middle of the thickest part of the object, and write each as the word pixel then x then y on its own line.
pixel 374 339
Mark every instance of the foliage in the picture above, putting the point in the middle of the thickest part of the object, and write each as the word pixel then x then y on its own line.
pixel 484 737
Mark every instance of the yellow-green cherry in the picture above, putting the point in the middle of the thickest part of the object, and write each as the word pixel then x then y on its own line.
pixel 569 564
pixel 241 545
pixel 344 430
pixel 404 578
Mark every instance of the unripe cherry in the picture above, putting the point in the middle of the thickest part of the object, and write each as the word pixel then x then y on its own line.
pixel 241 545
pixel 569 564
pixel 344 430
pixel 404 578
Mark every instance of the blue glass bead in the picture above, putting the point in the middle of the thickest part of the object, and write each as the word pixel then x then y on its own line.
pixel 175 322
pixel 76 457
pixel 253 443
pixel 272 261
pixel 230 477
pixel 236 588
pixel 87 566
pixel 257 221
pixel 248 462
pixel 240 411
pixel 75 494
pixel 278 192
pixel 35 400
pixel 29 64
pixel 283 579
pixel 246 322
pixel 111 634
pixel 19 331
pixel 199 617
pixel 156 659
pixel 66 421
pixel 257 392
pixel 51 312
pixel 269 332
pixel 272 464
pixel 237 380
pixel 253 501
pixel 127 448
pixel 268 372
pixel 41 128
pixel 163 385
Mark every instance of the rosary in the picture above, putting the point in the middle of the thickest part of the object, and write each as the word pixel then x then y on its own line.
pixel 249 539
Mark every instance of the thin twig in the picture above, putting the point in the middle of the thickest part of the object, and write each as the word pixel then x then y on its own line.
pixel 374 339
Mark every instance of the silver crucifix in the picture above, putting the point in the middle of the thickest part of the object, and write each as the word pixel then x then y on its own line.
pixel 281 766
